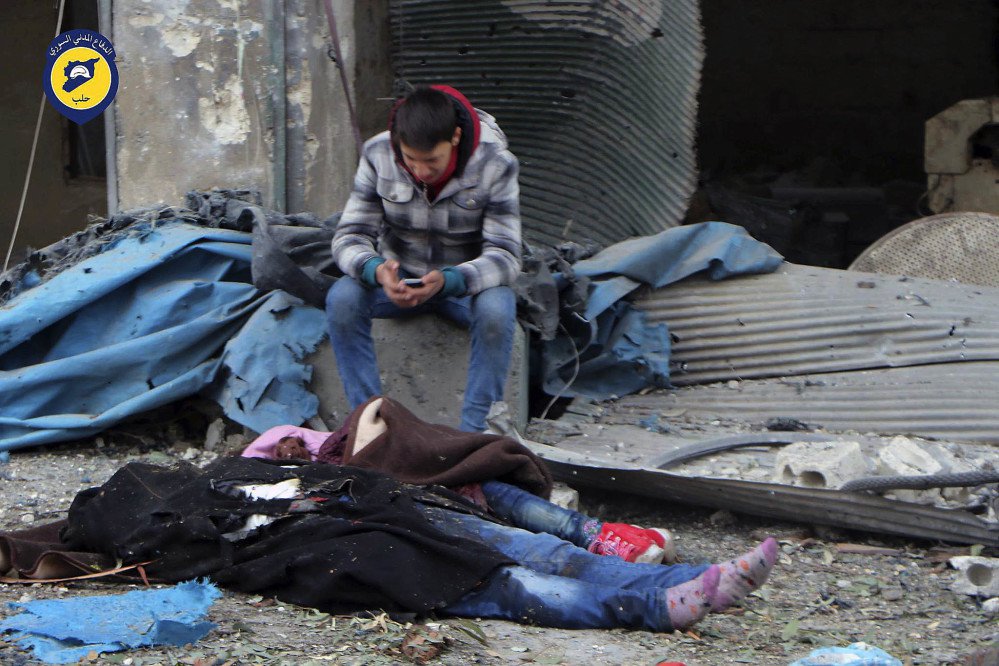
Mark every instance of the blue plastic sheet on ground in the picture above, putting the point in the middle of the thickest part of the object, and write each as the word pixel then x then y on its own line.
pixel 62 631
pixel 613 350
pixel 166 312
pixel 855 654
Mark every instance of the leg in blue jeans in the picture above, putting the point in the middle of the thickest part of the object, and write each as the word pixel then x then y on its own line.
pixel 518 594
pixel 491 315
pixel 350 307
pixel 561 585
pixel 530 512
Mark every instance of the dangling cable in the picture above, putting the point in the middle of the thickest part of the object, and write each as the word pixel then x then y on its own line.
pixel 343 76
pixel 31 160
pixel 575 373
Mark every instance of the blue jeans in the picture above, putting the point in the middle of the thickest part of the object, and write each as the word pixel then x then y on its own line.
pixel 490 314
pixel 530 512
pixel 557 584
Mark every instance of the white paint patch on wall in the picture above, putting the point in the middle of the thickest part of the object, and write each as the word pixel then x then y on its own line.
pixel 182 39
pixel 299 95
pixel 224 113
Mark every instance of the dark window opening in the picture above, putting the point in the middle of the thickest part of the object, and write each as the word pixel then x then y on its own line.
pixel 85 148
pixel 985 143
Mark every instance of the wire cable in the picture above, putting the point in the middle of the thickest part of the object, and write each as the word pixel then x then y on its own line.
pixel 31 160
pixel 575 373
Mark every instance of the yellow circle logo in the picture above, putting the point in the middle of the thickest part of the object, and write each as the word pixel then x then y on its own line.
pixel 81 78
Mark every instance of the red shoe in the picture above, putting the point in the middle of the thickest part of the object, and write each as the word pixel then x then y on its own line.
pixel 630 543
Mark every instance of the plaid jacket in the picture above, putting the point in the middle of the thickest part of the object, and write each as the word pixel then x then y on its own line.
pixel 473 225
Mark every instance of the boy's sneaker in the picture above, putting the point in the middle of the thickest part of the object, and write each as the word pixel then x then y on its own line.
pixel 630 543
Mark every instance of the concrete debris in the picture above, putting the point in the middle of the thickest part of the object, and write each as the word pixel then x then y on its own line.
pixel 564 496
pixel 821 464
pixel 214 434
pixel 977 576
pixel 235 442
pixel 903 457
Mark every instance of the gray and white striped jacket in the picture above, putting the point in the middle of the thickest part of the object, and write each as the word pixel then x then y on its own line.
pixel 473 225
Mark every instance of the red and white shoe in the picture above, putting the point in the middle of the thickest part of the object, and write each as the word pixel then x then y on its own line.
pixel 630 543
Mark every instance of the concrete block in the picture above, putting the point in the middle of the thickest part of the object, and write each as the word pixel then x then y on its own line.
pixel 903 457
pixel 423 362
pixel 821 464
pixel 564 496
pixel 976 576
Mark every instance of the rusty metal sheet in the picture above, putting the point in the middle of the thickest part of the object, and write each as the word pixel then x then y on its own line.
pixel 952 401
pixel 599 101
pixel 951 246
pixel 805 320
pixel 828 507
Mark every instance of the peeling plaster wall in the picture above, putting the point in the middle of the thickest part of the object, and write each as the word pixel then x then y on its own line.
pixel 321 152
pixel 194 106
pixel 204 83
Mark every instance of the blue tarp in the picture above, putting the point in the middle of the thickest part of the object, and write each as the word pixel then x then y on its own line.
pixel 164 312
pixel 166 309
pixel 613 350
pixel 63 631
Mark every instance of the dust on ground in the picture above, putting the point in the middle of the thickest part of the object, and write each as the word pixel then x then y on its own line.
pixel 896 597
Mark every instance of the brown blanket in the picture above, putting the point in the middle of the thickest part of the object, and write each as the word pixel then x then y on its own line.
pixel 414 451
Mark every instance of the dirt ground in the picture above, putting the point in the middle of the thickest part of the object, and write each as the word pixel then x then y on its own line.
pixel 896 596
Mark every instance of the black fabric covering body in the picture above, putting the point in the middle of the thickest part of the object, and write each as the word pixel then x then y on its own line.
pixel 359 543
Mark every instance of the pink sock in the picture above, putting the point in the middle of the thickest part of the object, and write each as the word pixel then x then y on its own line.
pixel 744 574
pixel 688 602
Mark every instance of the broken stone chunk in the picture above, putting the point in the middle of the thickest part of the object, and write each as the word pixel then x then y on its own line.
pixel 977 576
pixel 821 464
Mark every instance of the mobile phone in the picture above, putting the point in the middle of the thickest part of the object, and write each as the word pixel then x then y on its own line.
pixel 413 282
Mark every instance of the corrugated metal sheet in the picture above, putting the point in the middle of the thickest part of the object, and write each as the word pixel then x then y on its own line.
pixel 598 99
pixel 950 401
pixel 805 320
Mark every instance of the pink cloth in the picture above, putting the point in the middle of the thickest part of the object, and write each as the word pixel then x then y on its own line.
pixel 265 445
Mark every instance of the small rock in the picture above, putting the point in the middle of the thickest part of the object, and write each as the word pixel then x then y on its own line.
pixel 564 496
pixel 722 518
pixel 190 454
pixel 733 384
pixel 27 518
pixel 235 443
pixel 892 593
pixel 991 606
pixel 214 434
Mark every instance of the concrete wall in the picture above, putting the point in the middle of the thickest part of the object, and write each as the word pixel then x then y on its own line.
pixel 236 93
pixel 56 205
pixel 852 81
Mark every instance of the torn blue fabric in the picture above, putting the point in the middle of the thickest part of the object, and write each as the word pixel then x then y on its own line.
pixel 854 654
pixel 62 631
pixel 613 350
pixel 164 312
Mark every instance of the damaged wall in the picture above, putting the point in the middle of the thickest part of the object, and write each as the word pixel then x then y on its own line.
pixel 57 203
pixel 195 107
pixel 236 93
